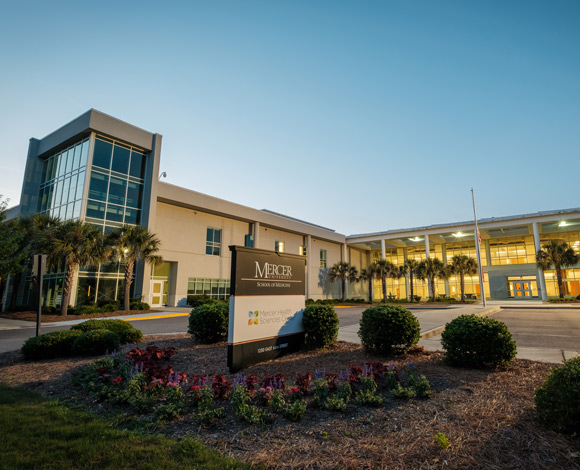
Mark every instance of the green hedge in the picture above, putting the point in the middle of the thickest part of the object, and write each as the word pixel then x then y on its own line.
pixel 127 333
pixel 388 328
pixel 320 325
pixel 209 323
pixel 558 399
pixel 95 342
pixel 50 345
pixel 479 342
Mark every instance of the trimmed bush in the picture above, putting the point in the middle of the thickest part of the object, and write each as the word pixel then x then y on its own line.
pixel 558 400
pixel 209 323
pixel 127 333
pixel 321 325
pixel 388 328
pixel 138 305
pixel 86 309
pixel 95 342
pixel 199 299
pixel 50 345
pixel 109 307
pixel 478 342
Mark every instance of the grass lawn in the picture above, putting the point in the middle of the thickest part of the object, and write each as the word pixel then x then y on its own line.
pixel 39 434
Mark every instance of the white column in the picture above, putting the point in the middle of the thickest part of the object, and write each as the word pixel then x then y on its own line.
pixel 256 234
pixel 345 259
pixel 427 246
pixel 383 252
pixel 308 258
pixel 407 286
pixel 541 277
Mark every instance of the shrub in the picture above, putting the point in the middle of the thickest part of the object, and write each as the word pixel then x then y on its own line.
pixel 558 399
pixel 49 310
pixel 127 333
pixel 95 342
pixel 200 299
pixel 321 325
pixel 385 328
pixel 113 307
pixel 49 345
pixel 209 323
pixel 479 342
pixel 87 309
pixel 138 305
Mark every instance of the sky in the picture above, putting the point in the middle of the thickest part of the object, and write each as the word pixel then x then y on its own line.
pixel 360 116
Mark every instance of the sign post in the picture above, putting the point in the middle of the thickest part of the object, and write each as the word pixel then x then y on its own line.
pixel 267 299
pixel 39 270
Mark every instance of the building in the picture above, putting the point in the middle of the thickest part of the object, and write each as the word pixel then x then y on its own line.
pixel 105 171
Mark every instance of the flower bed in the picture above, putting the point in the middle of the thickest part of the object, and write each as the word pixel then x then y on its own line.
pixel 146 382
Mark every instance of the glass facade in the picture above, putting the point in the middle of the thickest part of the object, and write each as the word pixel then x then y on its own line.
pixel 323 258
pixel 63 182
pixel 514 250
pixel 215 288
pixel 115 198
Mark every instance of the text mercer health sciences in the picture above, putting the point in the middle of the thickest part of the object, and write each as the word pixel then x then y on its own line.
pixel 269 316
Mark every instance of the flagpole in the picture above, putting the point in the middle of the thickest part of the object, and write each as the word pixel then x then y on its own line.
pixel 478 250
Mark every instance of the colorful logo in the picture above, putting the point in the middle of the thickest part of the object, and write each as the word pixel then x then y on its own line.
pixel 253 317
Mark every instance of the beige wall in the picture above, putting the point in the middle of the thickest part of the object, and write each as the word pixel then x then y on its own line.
pixel 183 233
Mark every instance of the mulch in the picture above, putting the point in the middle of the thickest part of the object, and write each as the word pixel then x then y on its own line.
pixel 31 316
pixel 488 416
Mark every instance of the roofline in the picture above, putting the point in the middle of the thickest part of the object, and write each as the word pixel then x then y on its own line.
pixel 179 196
pixel 483 223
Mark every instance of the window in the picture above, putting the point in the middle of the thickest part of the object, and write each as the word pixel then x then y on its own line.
pixel 323 258
pixel 215 288
pixel 279 246
pixel 213 241
pixel 302 250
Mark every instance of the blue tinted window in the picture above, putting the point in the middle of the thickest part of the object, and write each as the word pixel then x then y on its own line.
pixel 117 190
pixel 84 153
pixel 95 209
pixel 102 154
pixel 120 159
pixel 132 216
pixel 137 169
pixel 98 186
pixel 134 194
pixel 114 213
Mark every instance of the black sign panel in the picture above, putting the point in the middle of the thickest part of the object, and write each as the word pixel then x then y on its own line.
pixel 262 272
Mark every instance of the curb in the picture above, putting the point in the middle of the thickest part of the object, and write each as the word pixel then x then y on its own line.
pixel 437 331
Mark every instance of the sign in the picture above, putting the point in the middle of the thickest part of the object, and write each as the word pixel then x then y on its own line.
pixel 267 298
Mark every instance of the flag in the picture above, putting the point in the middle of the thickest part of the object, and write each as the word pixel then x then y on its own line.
pixel 478 236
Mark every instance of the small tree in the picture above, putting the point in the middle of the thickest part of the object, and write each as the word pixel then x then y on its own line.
pixel 368 274
pixel 463 265
pixel 383 269
pixel 74 244
pixel 411 265
pixel 430 269
pixel 132 243
pixel 559 254
pixel 345 272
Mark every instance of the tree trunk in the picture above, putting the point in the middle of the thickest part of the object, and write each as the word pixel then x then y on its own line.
pixel 384 281
pixel 68 281
pixel 370 289
pixel 432 279
pixel 412 299
pixel 14 295
pixel 343 290
pixel 128 282
pixel 462 285
pixel 560 284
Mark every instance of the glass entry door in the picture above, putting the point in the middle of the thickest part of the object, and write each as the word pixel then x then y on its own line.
pixel 522 288
pixel 157 293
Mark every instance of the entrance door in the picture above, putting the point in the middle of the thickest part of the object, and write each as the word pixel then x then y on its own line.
pixel 522 288
pixel 157 293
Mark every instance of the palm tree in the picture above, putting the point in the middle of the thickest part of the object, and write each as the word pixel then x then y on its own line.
pixel 368 274
pixel 383 269
pixel 559 254
pixel 463 265
pixel 411 265
pixel 74 244
pixel 132 243
pixel 430 269
pixel 345 272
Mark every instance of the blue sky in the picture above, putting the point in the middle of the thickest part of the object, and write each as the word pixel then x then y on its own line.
pixel 360 116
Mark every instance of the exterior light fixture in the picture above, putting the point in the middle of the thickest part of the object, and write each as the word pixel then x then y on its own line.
pixel 416 239
pixel 163 175
pixel 458 234
pixel 563 224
